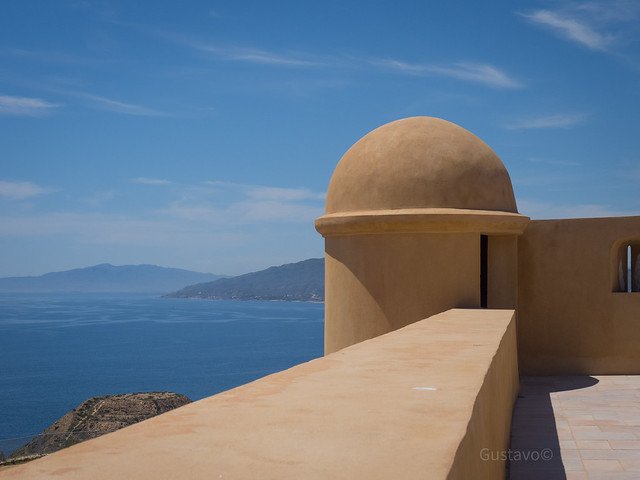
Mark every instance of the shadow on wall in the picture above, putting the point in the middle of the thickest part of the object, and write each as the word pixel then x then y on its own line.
pixel 535 443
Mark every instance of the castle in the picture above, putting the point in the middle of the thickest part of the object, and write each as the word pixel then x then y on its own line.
pixel 439 295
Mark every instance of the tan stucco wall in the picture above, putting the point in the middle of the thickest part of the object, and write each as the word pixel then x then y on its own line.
pixel 420 402
pixel 489 431
pixel 502 284
pixel 375 284
pixel 569 319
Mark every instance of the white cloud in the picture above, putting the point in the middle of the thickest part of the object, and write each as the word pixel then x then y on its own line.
pixel 283 194
pixel 571 29
pixel 480 73
pixel 560 120
pixel 276 211
pixel 611 11
pixel 221 220
pixel 549 161
pixel 246 212
pixel 53 56
pixel 22 190
pixel 151 181
pixel 34 107
pixel 119 107
pixel 99 198
pixel 198 212
pixel 244 204
pixel 473 72
pixel 542 210
pixel 269 193
pixel 632 172
pixel 468 71
pixel 113 229
pixel 596 25
pixel 254 55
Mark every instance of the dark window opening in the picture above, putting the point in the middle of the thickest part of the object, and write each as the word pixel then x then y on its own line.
pixel 628 266
pixel 484 262
pixel 629 281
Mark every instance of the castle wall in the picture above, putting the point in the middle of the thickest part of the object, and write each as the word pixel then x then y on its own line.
pixel 502 284
pixel 573 317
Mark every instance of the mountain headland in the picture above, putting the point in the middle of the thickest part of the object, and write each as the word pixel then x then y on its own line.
pixel 302 281
pixel 108 278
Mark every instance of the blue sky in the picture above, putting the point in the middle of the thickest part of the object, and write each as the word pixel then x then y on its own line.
pixel 203 134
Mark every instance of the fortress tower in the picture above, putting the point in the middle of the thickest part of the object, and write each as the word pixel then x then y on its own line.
pixel 420 218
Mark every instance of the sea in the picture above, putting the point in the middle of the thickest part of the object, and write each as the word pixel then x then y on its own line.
pixel 58 350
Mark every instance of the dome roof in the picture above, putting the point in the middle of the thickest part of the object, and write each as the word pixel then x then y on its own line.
pixel 420 162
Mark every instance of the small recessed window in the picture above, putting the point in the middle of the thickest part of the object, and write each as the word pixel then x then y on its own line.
pixel 628 266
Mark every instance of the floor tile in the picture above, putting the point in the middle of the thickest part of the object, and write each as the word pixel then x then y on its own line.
pixel 591 424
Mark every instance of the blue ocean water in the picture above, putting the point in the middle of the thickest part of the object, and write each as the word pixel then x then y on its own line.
pixel 57 350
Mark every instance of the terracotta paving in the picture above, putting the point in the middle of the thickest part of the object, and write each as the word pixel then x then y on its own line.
pixel 582 427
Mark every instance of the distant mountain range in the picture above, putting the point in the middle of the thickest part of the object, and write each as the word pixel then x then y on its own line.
pixel 302 281
pixel 108 278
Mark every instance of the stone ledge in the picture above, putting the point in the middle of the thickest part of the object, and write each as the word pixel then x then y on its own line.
pixel 421 220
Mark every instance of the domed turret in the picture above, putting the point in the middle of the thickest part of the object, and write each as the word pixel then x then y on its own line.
pixel 420 162
pixel 420 218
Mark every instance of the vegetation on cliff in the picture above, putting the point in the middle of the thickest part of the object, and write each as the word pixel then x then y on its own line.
pixel 100 415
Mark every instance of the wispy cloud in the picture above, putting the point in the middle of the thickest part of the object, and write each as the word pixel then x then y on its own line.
pixel 90 99
pixel 284 194
pixel 243 212
pixel 632 172
pixel 550 161
pixel 560 120
pixel 98 199
pixel 474 72
pixel 22 190
pixel 55 56
pixel 542 210
pixel 247 226
pixel 114 229
pixel 244 203
pixel 212 209
pixel 571 29
pixel 254 55
pixel 24 106
pixel 262 192
pixel 467 71
pixel 596 25
pixel 150 181
pixel 108 104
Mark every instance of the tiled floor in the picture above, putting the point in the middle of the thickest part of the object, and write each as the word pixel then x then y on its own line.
pixel 585 427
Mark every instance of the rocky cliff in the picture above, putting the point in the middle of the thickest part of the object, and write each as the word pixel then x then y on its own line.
pixel 100 415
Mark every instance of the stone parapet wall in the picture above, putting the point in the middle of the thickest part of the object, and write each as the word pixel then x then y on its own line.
pixel 420 402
